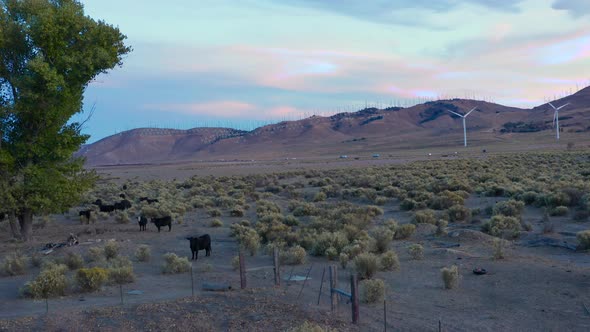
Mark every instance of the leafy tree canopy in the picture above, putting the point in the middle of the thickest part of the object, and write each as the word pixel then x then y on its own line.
pixel 49 52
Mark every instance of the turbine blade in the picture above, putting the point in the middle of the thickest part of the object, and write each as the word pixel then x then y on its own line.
pixel 471 111
pixel 552 105
pixel 562 106
pixel 455 113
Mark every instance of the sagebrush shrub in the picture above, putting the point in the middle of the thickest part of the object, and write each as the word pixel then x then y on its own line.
pixel 389 261
pixel 372 291
pixel 502 226
pixel 74 261
pixel 366 265
pixel 509 208
pixel 559 211
pixel 111 249
pixel 216 223
pixel 416 251
pixel 50 282
pixel 143 253
pixel 383 237
pixel 121 270
pixel 96 254
pixel 14 264
pixel 91 279
pixel 450 276
pixel 404 231
pixel 425 217
pixel 498 247
pixel 174 264
pixel 293 256
pixel 583 240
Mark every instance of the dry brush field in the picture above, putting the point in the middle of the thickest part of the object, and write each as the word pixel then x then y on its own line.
pixel 413 232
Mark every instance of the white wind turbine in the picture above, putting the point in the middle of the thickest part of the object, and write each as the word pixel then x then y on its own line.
pixel 556 117
pixel 464 127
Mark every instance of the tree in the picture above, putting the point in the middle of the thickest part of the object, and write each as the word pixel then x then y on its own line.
pixel 49 53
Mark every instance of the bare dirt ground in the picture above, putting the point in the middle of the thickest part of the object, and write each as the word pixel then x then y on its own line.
pixel 532 289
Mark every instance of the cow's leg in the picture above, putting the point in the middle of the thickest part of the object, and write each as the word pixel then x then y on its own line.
pixel 208 251
pixel 169 227
pixel 158 229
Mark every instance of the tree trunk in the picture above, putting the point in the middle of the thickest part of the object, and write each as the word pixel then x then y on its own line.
pixel 13 226
pixel 25 219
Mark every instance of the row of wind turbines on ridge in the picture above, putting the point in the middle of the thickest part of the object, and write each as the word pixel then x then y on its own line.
pixel 555 120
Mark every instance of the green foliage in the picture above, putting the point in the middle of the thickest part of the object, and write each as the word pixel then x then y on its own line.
pixel 50 282
pixel 294 256
pixel 389 261
pixel 425 217
pixel 74 261
pixel 14 264
pixel 450 276
pixel 509 208
pixel 583 240
pixel 459 213
pixel 96 254
pixel 383 237
pixel 120 270
pixel 502 226
pixel 366 265
pixel 372 291
pixel 247 237
pixel 404 231
pixel 174 264
pixel 143 253
pixel 91 279
pixel 49 52
pixel 343 259
pixel 416 251
pixel 499 247
pixel 111 249
pixel 216 223
pixel 122 217
pixel 559 211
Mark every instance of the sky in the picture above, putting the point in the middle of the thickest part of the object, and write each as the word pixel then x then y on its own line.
pixel 245 63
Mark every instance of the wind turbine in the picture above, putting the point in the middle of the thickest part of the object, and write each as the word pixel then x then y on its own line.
pixel 556 117
pixel 464 127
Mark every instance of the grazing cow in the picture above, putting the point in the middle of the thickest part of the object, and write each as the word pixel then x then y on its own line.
pixel 200 243
pixel 150 201
pixel 142 223
pixel 122 205
pixel 106 208
pixel 85 213
pixel 164 221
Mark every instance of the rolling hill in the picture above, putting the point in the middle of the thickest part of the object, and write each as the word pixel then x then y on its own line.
pixel 371 129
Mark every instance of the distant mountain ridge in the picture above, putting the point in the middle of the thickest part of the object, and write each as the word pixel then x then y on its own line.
pixel 365 130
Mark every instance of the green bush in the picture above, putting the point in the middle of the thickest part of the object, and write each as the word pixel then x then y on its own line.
pixel 498 247
pixel 583 240
pixel 50 282
pixel 502 226
pixel 14 264
pixel 294 256
pixel 416 251
pixel 383 237
pixel 111 249
pixel 404 231
pixel 174 264
pixel 91 279
pixel 372 291
pixel 74 261
pixel 509 208
pixel 450 276
pixel 121 270
pixel 425 217
pixel 320 197
pixel 214 212
pixel 366 265
pixel 216 223
pixel 122 217
pixel 559 211
pixel 96 254
pixel 459 213
pixel 441 227
pixel 343 258
pixel 389 261
pixel 143 253
pixel 237 211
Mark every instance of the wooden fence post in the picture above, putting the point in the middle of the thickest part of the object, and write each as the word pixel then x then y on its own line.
pixel 242 271
pixel 354 294
pixel 333 286
pixel 277 266
pixel 321 285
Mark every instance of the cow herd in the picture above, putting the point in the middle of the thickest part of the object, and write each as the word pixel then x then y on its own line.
pixel 202 242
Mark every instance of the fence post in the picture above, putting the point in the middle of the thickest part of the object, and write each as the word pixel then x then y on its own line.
pixel 242 271
pixel 354 293
pixel 333 286
pixel 305 281
pixel 321 285
pixel 277 266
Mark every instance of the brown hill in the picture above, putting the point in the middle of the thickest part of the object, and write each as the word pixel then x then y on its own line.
pixel 368 130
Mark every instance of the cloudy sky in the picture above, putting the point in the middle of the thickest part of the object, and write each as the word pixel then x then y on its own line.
pixel 242 63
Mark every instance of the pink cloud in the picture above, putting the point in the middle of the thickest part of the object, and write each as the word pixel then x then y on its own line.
pixel 225 109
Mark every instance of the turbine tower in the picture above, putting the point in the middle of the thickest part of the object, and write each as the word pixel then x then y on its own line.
pixel 464 126
pixel 556 117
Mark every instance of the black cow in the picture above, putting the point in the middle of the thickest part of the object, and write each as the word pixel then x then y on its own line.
pixel 200 243
pixel 141 199
pixel 107 208
pixel 122 205
pixel 150 201
pixel 142 223
pixel 122 196
pixel 98 202
pixel 164 221
pixel 85 213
